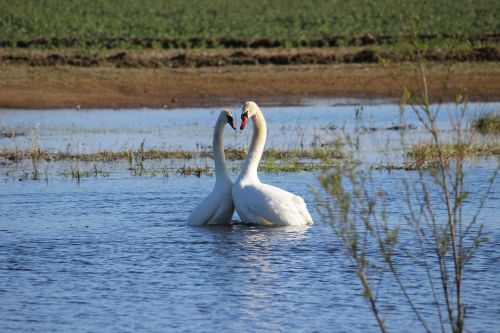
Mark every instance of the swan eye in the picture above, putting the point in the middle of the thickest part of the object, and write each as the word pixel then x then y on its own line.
pixel 244 115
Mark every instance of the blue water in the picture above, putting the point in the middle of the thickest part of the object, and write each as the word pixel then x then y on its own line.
pixel 191 129
pixel 113 254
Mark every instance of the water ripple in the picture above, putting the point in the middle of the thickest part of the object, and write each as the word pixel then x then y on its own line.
pixel 116 255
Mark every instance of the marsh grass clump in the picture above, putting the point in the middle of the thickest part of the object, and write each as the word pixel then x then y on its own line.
pixel 297 160
pixel 104 156
pixel 142 155
pixel 272 165
pixel 35 153
pixel 231 154
pixel 488 123
pixel 76 172
pixel 10 133
pixel 323 154
pixel 144 162
pixel 390 166
pixel 13 155
pixel 428 155
pixel 139 156
pixel 187 170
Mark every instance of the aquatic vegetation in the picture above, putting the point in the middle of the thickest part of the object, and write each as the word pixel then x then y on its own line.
pixel 426 155
pixel 323 153
pixel 389 166
pixel 295 160
pixel 36 161
pixel 154 162
pixel 105 156
pixel 488 123
pixel 232 154
pixel 292 165
pixel 77 172
pixel 10 133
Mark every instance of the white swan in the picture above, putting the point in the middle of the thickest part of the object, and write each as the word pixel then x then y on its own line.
pixel 259 203
pixel 217 207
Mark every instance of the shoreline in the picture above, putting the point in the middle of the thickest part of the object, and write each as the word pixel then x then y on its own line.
pixel 57 87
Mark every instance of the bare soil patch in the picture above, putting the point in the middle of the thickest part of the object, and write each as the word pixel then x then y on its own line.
pixel 63 86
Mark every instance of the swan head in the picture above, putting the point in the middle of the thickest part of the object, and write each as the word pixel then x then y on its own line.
pixel 229 118
pixel 248 111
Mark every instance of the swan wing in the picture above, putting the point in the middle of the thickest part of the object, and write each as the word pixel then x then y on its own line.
pixel 274 206
pixel 225 210
pixel 216 208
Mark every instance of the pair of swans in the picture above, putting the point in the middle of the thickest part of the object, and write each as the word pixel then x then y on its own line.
pixel 255 202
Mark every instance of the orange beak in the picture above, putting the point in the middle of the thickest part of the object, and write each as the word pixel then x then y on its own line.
pixel 244 120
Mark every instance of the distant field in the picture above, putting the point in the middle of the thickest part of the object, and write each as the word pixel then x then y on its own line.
pixel 243 20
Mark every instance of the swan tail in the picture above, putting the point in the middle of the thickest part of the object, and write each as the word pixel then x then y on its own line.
pixel 302 208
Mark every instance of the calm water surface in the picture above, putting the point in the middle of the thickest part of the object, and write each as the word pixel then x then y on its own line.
pixel 191 129
pixel 114 255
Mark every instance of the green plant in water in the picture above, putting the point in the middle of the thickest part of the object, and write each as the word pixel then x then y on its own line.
pixel 35 152
pixel 487 124
pixel 426 155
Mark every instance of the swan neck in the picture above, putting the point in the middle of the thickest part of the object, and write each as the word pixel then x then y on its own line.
pixel 218 151
pixel 256 149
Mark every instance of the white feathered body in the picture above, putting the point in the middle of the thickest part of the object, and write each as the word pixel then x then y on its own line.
pixel 263 204
pixel 259 203
pixel 216 208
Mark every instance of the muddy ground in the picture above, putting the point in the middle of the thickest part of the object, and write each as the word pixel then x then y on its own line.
pixel 220 77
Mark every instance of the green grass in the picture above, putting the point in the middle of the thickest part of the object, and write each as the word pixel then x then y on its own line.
pixel 245 19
